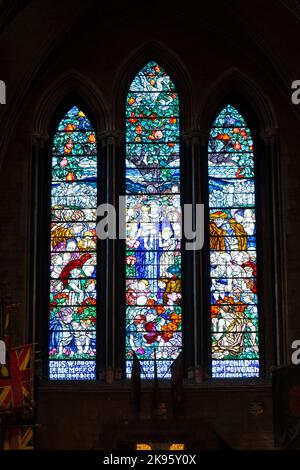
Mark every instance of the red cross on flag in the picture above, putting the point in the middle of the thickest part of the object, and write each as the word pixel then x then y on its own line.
pixel 16 388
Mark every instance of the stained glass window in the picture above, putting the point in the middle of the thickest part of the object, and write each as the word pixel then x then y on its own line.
pixel 233 272
pixel 153 256
pixel 72 325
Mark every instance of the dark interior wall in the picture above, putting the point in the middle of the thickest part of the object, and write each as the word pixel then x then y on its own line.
pixel 94 417
pixel 48 50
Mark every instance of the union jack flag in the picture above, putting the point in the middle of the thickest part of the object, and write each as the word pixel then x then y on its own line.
pixel 16 389
pixel 19 438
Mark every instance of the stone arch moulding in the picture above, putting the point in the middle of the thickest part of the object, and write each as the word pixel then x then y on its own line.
pixel 152 50
pixel 235 81
pixel 70 82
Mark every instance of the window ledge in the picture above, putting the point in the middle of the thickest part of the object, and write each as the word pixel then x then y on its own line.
pixel 234 385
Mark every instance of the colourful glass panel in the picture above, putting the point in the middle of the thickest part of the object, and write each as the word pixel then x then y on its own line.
pixel 153 256
pixel 73 257
pixel 233 272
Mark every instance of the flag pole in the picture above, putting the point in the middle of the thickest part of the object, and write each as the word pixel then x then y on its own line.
pixel 136 383
pixel 177 382
pixel 155 385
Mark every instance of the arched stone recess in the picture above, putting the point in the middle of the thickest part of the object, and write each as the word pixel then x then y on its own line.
pixel 152 50
pixel 74 83
pixel 242 89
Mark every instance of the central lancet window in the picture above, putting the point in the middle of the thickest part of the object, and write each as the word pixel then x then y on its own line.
pixel 153 252
pixel 72 326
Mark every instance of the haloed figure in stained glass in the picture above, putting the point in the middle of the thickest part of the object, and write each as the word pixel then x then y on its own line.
pixel 234 309
pixel 72 325
pixel 153 256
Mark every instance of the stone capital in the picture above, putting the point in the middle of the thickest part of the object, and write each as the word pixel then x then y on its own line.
pixel 110 137
pixel 195 136
pixel 38 140
pixel 269 135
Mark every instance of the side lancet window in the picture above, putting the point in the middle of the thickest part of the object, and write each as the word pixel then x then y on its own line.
pixel 153 253
pixel 233 271
pixel 73 246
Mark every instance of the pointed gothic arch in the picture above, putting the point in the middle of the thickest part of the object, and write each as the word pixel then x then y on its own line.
pixel 153 251
pixel 72 293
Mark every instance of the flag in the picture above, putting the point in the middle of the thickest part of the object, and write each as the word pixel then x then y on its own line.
pixel 16 389
pixel 177 382
pixel 6 398
pixel 286 404
pixel 5 387
pixel 19 438
pixel 136 382
pixel 5 335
